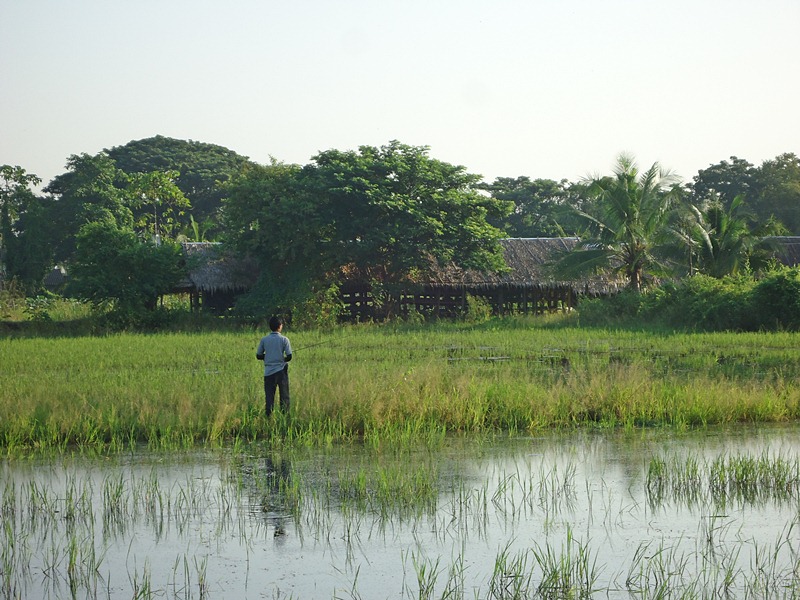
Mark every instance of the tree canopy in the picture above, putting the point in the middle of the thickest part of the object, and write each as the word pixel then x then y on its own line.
pixel 392 210
pixel 112 264
pixel 24 255
pixel 779 193
pixel 537 205
pixel 200 168
pixel 92 189
pixel 725 181
pixel 391 215
pixel 771 190
pixel 384 215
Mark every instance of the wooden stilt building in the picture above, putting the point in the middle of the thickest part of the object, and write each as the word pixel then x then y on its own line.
pixel 528 287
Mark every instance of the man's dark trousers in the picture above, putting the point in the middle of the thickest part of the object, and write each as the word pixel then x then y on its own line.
pixel 279 381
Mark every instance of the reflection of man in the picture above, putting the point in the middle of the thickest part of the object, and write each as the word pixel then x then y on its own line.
pixel 276 352
pixel 278 477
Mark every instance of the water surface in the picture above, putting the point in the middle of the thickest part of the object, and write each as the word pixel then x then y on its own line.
pixel 557 514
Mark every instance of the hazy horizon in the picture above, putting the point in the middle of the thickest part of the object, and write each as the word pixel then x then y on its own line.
pixel 511 88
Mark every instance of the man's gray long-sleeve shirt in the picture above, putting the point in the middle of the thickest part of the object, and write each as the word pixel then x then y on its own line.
pixel 276 350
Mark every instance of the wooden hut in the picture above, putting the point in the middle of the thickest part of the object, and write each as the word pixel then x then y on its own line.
pixel 55 280
pixel 528 286
pixel 214 278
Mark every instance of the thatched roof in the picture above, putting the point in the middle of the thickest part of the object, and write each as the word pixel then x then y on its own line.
pixel 210 269
pixel 529 261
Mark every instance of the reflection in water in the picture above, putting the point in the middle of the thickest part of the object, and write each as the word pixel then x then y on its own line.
pixel 268 485
pixel 643 513
pixel 278 478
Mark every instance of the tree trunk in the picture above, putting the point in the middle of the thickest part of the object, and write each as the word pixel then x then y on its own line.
pixel 636 280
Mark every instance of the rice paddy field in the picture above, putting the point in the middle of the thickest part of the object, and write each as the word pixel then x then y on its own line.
pixel 510 459
pixel 381 384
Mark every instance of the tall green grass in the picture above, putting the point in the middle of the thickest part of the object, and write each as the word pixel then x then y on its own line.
pixel 386 385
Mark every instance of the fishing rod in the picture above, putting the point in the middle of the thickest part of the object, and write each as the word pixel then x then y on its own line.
pixel 312 345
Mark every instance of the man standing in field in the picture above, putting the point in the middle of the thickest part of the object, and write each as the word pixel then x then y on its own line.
pixel 276 352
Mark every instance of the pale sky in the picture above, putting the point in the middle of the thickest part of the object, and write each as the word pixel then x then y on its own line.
pixel 544 88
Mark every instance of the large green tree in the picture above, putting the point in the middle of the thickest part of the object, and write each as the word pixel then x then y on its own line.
pixel 30 253
pixel 24 255
pixel 393 211
pixel 201 168
pixel 537 205
pixel 113 264
pixel 724 181
pixel 386 215
pixel 629 230
pixel 779 191
pixel 268 217
pixel 106 221
pixel 92 189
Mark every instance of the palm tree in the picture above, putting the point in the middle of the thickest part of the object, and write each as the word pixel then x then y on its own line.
pixel 724 241
pixel 630 233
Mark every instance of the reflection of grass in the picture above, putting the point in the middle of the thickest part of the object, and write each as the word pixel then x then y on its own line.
pixel 388 386
pixel 741 478
pixel 391 488
pixel 659 571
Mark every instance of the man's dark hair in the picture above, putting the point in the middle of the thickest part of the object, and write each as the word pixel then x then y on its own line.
pixel 274 323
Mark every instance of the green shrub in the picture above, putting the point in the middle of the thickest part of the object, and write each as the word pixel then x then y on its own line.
pixel 323 309
pixel 705 303
pixel 38 308
pixel 414 316
pixel 699 302
pixel 622 307
pixel 776 300
pixel 479 310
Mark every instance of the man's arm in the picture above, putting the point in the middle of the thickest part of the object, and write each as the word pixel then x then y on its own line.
pixel 287 353
pixel 260 351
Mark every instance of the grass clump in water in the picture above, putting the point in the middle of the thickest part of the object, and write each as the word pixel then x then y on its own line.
pixel 741 478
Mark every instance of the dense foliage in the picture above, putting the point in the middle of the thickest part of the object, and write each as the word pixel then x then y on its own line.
pixel 199 167
pixel 704 303
pixel 386 216
pixel 113 264
pixel 24 255
pixel 727 240
pixel 540 207
pixel 628 230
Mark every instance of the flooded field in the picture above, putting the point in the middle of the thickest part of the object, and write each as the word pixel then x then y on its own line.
pixel 642 514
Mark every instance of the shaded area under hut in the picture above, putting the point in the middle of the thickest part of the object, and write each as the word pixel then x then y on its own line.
pixel 528 287
pixel 788 252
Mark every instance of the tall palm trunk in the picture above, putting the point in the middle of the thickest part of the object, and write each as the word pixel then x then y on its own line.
pixel 635 279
